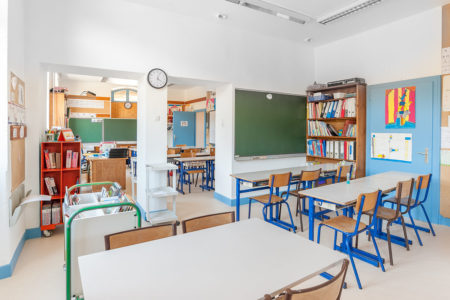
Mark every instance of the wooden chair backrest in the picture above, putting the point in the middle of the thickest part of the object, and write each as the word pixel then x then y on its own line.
pixel 370 201
pixel 425 181
pixel 181 145
pixel 207 221
pixel 171 151
pixel 188 154
pixel 342 172
pixel 212 151
pixel 405 188
pixel 140 235
pixel 310 175
pixel 329 290
pixel 279 180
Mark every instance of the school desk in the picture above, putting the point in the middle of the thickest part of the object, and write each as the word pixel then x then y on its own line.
pixel 209 169
pixel 259 180
pixel 344 195
pixel 242 260
pixel 171 156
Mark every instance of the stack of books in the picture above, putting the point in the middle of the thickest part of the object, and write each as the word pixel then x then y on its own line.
pixel 52 160
pixel 71 159
pixel 344 150
pixel 51 213
pixel 345 108
pixel 319 128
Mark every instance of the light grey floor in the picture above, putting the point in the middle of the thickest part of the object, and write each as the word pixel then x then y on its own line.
pixel 421 273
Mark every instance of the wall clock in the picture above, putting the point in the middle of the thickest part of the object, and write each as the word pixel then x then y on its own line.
pixel 127 105
pixel 157 78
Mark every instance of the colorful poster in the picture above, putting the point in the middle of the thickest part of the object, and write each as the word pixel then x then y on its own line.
pixel 392 146
pixel 400 108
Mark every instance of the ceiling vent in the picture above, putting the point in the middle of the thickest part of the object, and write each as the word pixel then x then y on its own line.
pixel 273 10
pixel 359 5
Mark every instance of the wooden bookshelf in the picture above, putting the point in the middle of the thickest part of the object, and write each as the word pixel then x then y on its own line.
pixel 63 176
pixel 338 123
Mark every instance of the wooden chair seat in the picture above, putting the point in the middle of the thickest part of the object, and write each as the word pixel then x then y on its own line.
pixel 265 198
pixel 344 224
pixel 403 201
pixel 385 213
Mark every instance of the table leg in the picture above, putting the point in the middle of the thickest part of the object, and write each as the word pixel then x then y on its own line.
pixel 311 211
pixel 181 177
pixel 238 199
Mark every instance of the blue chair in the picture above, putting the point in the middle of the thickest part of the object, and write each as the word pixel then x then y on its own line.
pixel 273 201
pixel 351 228
pixel 422 187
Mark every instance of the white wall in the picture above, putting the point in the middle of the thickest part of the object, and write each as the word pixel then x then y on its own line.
pixel 406 49
pixel 101 89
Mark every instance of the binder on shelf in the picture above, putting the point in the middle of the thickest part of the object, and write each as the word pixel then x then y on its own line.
pixel 58 160
pixel 68 159
pixel 47 160
pixel 74 159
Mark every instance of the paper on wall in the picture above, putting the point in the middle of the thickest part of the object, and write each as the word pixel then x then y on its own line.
pixel 445 60
pixel 445 137
pixel 446 93
pixel 393 146
pixel 445 157
pixel 80 103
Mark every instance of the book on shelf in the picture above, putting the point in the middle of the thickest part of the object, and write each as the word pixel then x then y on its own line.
pixel 68 159
pixel 344 108
pixel 47 160
pixel 320 128
pixel 46 217
pixel 58 160
pixel 344 150
pixel 74 159
pixel 349 128
pixel 56 213
pixel 51 186
pixel 52 160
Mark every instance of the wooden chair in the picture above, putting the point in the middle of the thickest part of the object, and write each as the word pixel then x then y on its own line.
pixel 308 179
pixel 329 290
pixel 212 151
pixel 207 221
pixel 422 187
pixel 193 168
pixel 171 151
pixel 342 171
pixel 140 235
pixel 403 194
pixel 350 227
pixel 181 145
pixel 272 200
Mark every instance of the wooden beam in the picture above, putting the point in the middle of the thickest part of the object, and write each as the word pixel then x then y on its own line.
pixel 195 100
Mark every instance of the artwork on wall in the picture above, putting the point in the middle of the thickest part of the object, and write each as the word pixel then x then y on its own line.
pixel 210 101
pixel 16 100
pixel 172 108
pixel 391 146
pixel 400 107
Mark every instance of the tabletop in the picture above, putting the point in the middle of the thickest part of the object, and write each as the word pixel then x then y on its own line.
pixel 264 175
pixel 344 193
pixel 197 158
pixel 242 260
pixel 179 155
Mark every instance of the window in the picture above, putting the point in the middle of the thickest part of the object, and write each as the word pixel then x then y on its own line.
pixel 124 95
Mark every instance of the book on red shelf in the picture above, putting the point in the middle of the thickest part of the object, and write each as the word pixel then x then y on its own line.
pixel 74 159
pixel 52 160
pixel 48 184
pixel 58 160
pixel 53 185
pixel 47 159
pixel 68 158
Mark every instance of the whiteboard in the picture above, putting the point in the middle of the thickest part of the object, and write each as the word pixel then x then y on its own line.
pixel 212 127
pixel 391 146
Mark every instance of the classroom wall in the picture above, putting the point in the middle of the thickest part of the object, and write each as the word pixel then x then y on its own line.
pixel 12 20
pixel 406 49
pixel 76 87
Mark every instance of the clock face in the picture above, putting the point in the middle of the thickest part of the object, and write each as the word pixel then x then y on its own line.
pixel 157 78
pixel 127 105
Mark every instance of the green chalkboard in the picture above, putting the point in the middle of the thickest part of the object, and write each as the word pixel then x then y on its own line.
pixel 269 127
pixel 90 132
pixel 120 129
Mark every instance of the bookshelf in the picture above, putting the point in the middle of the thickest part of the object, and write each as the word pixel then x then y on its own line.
pixel 338 121
pixel 62 177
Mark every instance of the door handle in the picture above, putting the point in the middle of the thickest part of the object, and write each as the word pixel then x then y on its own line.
pixel 424 154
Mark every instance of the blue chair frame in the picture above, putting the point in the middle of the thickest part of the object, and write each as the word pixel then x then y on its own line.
pixel 416 204
pixel 347 237
pixel 269 216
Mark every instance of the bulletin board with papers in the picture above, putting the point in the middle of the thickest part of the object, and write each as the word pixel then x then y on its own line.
pixel 391 146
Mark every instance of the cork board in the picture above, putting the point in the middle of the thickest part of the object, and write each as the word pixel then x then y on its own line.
pixel 17 162
pixel 118 111
pixel 105 111
pixel 445 168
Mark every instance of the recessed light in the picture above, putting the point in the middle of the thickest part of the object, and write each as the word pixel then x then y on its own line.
pixel 308 40
pixel 221 16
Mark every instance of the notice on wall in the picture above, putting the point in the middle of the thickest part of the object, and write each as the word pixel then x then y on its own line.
pixel 184 123
pixel 445 157
pixel 81 103
pixel 391 146
pixel 445 60
pixel 445 137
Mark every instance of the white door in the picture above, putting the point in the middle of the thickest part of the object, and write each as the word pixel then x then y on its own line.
pixel 200 129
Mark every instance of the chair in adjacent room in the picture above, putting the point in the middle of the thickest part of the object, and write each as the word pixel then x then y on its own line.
pixel 273 201
pixel 207 221
pixel 422 188
pixel 140 235
pixel 403 191
pixel 342 171
pixel 307 180
pixel 192 169
pixel 351 228
pixel 329 290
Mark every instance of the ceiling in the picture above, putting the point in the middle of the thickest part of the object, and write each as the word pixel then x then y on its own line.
pixel 257 22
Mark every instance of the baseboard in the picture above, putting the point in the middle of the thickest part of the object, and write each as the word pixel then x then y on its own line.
pixel 7 270
pixel 229 201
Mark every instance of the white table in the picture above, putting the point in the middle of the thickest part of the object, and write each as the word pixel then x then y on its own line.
pixel 242 260
pixel 171 156
pixel 209 168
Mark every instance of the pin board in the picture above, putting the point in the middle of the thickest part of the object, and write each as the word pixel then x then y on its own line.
pixel 391 146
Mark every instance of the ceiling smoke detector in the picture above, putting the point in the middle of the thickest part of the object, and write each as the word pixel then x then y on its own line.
pixel 273 10
pixel 221 16
pixel 357 6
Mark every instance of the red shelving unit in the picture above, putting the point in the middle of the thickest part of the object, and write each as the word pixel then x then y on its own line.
pixel 63 176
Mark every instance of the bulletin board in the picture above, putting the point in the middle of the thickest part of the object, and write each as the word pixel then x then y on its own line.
pixel 17 162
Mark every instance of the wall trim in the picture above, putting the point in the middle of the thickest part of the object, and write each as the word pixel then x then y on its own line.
pixel 228 201
pixel 7 270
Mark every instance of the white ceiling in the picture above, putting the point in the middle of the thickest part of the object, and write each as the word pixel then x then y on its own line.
pixel 244 18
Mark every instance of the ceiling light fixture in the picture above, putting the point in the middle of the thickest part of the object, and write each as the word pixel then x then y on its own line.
pixel 273 10
pixel 359 5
